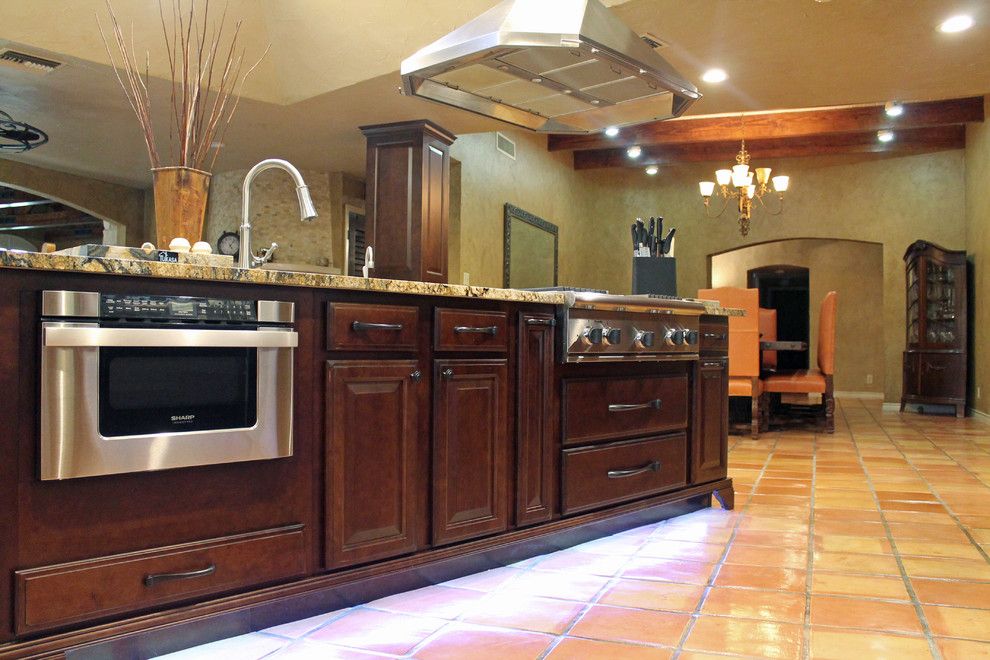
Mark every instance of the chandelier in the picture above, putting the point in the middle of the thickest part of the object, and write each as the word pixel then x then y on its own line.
pixel 737 184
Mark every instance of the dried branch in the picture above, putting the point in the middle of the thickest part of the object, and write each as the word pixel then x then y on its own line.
pixel 199 113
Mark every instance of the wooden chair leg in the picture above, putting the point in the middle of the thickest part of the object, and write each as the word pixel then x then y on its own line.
pixel 764 412
pixel 756 411
pixel 828 401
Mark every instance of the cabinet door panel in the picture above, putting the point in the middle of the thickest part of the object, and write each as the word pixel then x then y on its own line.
pixel 942 375
pixel 470 449
pixel 375 459
pixel 709 455
pixel 535 421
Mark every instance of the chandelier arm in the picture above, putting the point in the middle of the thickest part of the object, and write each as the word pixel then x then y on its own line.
pixel 780 205
pixel 725 205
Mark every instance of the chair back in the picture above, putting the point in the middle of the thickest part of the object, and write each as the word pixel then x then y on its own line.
pixel 744 331
pixel 768 332
pixel 826 334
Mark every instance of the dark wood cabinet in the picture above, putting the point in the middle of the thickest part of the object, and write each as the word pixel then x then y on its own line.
pixel 709 450
pixel 470 449
pixel 408 193
pixel 375 461
pixel 935 356
pixel 536 430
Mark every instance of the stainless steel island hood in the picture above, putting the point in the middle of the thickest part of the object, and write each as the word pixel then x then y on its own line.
pixel 554 66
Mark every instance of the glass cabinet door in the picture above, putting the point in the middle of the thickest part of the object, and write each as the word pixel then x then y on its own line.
pixel 940 302
pixel 913 303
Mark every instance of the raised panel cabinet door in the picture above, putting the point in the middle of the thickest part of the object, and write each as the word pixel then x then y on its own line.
pixel 709 455
pixel 536 416
pixel 375 461
pixel 470 449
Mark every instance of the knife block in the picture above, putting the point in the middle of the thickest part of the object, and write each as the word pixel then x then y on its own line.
pixel 654 275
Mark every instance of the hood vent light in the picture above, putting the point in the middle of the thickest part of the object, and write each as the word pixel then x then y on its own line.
pixel 30 62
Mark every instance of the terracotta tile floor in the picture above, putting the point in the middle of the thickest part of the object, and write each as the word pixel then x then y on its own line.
pixel 869 543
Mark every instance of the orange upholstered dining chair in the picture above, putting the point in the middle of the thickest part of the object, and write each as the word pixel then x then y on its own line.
pixel 744 347
pixel 818 380
pixel 768 332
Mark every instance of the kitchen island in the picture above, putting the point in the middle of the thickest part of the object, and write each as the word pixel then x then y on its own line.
pixel 436 430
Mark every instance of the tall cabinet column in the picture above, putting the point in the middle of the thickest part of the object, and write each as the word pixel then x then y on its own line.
pixel 408 197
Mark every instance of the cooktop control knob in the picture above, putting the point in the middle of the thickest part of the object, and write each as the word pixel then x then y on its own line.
pixel 692 337
pixel 613 336
pixel 645 338
pixel 679 338
pixel 592 336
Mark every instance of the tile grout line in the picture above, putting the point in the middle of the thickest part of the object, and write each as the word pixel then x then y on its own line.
pixel 725 552
pixel 809 564
pixel 905 578
pixel 931 488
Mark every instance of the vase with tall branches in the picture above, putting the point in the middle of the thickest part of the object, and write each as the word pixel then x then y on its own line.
pixel 205 67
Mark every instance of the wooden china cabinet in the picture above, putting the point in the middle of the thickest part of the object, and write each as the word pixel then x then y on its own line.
pixel 935 358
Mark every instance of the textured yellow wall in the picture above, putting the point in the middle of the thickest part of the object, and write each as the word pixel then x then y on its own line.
pixel 978 245
pixel 891 201
pixel 855 271
pixel 275 214
pixel 108 201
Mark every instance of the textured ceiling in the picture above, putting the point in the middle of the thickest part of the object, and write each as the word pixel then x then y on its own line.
pixel 333 66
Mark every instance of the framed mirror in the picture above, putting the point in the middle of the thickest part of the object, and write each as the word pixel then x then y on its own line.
pixel 530 250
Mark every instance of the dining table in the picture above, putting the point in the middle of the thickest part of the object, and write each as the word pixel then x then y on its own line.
pixel 784 345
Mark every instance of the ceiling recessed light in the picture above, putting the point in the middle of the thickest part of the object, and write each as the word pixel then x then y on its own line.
pixel 611 131
pixel 634 151
pixel 958 23
pixel 536 80
pixel 893 109
pixel 714 75
pixel 652 170
pixel 885 135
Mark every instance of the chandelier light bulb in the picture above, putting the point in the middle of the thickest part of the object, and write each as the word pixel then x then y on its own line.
pixel 634 151
pixel 781 182
pixel 750 191
pixel 762 175
pixel 723 177
pixel 958 23
pixel 611 131
pixel 707 188
pixel 893 109
pixel 652 170
pixel 885 135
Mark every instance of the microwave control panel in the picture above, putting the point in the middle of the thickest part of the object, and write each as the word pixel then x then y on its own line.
pixel 176 308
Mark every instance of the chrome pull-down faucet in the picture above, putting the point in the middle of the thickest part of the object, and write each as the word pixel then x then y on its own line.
pixel 307 212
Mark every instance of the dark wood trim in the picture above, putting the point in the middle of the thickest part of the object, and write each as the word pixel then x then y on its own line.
pixel 198 624
pixel 912 140
pixel 510 212
pixel 768 125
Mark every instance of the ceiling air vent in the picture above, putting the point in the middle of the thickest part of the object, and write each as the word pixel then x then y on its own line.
pixel 653 41
pixel 30 62
pixel 505 145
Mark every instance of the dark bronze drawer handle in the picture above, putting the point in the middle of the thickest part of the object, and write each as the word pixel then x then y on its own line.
pixel 466 329
pixel 416 376
pixel 550 322
pixel 358 326
pixel 623 407
pixel 718 363
pixel 652 466
pixel 154 578
pixel 447 373
pixel 714 335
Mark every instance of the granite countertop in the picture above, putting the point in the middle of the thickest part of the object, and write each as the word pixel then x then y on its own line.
pixel 105 266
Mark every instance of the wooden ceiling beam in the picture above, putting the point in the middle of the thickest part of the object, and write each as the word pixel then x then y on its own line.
pixel 763 126
pixel 918 140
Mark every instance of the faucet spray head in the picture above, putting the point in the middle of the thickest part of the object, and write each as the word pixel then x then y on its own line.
pixel 307 212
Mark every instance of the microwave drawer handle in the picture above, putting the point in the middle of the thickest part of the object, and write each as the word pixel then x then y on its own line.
pixel 486 330
pixel 92 337
pixel 154 578
pixel 652 466
pixel 623 407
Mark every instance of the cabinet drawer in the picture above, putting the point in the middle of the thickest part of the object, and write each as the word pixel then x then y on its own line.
pixel 607 474
pixel 714 338
pixel 63 594
pixel 461 330
pixel 357 327
pixel 607 408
